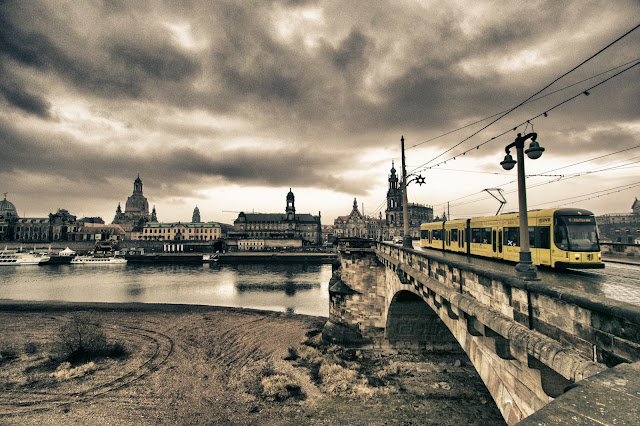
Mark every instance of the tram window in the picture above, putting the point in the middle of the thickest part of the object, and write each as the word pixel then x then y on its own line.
pixel 437 234
pixel 424 234
pixel 454 235
pixel 512 236
pixel 532 236
pixel 476 235
pixel 543 237
pixel 486 235
pixel 560 236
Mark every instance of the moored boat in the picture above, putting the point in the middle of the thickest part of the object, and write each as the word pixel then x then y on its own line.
pixel 93 260
pixel 11 257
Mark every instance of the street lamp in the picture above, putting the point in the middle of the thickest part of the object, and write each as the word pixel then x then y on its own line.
pixel 525 267
pixel 406 238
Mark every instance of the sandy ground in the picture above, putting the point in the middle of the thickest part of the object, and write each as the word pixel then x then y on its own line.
pixel 204 365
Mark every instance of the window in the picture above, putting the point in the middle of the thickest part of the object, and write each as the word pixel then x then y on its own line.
pixel 454 235
pixel 486 236
pixel 476 235
pixel 543 239
pixel 511 236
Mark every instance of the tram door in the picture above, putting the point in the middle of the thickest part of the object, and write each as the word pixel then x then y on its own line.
pixel 496 237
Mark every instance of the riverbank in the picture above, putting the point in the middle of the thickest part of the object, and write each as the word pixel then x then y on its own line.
pixel 207 365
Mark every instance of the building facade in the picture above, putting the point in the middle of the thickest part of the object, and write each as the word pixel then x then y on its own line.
pixel 58 226
pixel 177 231
pixel 394 216
pixel 290 225
pixel 352 225
pixel 136 213
pixel 620 227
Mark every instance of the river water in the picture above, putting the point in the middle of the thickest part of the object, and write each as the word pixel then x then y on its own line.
pixel 298 288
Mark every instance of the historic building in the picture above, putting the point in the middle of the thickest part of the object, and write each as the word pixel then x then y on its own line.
pixel 136 212
pixel 58 226
pixel 8 216
pixel 620 227
pixel 196 215
pixel 290 225
pixel 178 231
pixel 394 224
pixel 352 225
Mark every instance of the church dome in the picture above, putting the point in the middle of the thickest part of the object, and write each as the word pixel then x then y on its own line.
pixel 7 209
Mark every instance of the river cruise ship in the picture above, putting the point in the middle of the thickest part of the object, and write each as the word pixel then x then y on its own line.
pixel 11 257
pixel 92 260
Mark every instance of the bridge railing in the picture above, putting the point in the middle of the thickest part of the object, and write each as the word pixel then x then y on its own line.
pixel 600 329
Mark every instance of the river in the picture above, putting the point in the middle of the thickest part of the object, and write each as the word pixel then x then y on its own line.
pixel 297 288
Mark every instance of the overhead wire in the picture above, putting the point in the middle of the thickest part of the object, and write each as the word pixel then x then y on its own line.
pixel 537 93
pixel 528 121
pixel 546 174
pixel 527 102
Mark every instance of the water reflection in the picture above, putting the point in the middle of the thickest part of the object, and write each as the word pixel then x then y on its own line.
pixel 298 287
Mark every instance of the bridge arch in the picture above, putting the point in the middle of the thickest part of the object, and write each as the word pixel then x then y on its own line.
pixel 530 342
pixel 411 322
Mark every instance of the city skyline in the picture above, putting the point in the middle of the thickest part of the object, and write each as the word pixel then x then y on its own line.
pixel 227 105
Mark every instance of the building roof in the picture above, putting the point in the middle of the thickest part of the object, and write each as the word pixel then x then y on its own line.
pixel 7 209
pixel 185 224
pixel 278 217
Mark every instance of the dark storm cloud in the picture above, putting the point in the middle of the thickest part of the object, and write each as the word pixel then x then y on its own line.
pixel 371 70
pixel 21 98
pixel 58 156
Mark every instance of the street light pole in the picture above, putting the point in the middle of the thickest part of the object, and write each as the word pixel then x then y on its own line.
pixel 525 267
pixel 406 237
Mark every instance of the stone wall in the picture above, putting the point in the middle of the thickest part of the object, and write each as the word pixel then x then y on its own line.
pixel 620 249
pixel 529 341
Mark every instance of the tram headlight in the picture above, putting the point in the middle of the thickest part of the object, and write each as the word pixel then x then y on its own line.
pixel 577 256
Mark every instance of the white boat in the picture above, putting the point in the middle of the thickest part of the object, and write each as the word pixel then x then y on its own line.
pixel 91 260
pixel 11 257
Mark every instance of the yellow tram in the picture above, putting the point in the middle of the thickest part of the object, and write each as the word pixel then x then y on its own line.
pixel 559 238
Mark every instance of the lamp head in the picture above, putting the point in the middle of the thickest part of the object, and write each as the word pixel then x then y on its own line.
pixel 535 150
pixel 508 162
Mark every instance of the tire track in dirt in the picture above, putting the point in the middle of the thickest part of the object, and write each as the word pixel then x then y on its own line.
pixel 163 347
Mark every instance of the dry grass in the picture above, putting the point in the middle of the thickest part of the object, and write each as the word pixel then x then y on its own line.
pixel 190 365
pixel 66 372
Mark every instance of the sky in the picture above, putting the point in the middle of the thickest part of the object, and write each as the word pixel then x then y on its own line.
pixel 225 105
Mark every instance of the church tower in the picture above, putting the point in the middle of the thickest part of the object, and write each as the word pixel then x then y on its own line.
pixel 137 185
pixel 291 208
pixel 196 215
pixel 394 198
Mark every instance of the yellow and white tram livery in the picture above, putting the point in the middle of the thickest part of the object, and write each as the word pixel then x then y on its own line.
pixel 559 238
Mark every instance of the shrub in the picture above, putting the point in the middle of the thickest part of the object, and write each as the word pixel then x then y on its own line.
pixel 279 387
pixel 83 338
pixel 337 379
pixel 30 348
pixel 293 354
pixel 118 350
pixel 8 352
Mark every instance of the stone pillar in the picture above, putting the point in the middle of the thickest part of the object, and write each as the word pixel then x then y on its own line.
pixel 356 297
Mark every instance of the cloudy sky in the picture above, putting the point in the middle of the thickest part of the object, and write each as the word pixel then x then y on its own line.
pixel 228 104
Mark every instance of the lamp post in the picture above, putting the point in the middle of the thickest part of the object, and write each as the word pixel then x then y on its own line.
pixel 406 237
pixel 525 267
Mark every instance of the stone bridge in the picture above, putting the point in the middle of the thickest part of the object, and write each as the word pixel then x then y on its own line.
pixel 548 355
